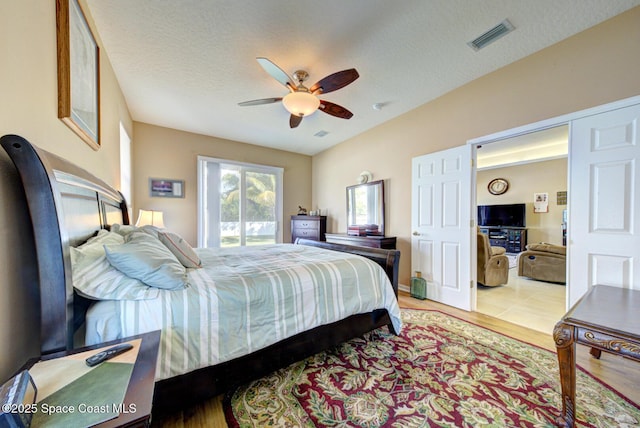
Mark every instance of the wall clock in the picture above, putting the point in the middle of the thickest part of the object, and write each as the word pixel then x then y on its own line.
pixel 498 186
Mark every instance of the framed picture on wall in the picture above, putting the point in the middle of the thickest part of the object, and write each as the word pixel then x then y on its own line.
pixel 167 188
pixel 78 73
pixel 540 202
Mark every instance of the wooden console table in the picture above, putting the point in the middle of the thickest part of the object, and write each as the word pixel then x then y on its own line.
pixel 604 319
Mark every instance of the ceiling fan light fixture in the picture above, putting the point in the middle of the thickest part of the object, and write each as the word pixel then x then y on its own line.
pixel 301 103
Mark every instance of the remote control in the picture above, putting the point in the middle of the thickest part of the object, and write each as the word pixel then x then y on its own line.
pixel 107 354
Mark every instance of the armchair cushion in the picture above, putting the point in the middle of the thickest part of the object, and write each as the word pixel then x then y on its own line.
pixel 498 251
pixel 548 248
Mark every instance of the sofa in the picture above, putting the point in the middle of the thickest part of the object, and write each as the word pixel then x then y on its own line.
pixel 493 264
pixel 544 262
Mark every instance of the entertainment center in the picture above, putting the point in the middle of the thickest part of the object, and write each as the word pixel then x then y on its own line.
pixel 505 225
pixel 513 239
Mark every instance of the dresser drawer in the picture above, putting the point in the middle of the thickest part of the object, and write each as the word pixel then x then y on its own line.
pixel 305 224
pixel 307 233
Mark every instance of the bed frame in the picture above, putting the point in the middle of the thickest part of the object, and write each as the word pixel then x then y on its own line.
pixel 68 205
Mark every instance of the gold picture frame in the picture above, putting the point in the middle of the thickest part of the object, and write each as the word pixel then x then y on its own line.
pixel 78 73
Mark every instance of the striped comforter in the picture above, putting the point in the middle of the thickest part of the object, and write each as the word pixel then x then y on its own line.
pixel 244 299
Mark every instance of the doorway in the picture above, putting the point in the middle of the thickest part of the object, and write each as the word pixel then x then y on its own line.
pixel 603 246
pixel 530 164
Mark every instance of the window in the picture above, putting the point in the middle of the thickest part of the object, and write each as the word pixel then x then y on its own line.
pixel 125 167
pixel 238 204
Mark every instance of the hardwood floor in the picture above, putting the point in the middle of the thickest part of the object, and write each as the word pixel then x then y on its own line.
pixel 535 304
pixel 619 373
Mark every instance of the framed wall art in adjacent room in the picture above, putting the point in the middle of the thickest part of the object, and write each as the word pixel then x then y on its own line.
pixel 78 73
pixel 166 188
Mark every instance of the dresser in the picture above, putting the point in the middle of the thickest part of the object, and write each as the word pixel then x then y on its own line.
pixel 309 227
pixel 384 242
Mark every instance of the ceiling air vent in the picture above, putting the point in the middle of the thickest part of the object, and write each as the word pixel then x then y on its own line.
pixel 492 35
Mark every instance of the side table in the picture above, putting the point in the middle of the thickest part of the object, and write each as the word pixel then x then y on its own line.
pixel 139 393
pixel 606 320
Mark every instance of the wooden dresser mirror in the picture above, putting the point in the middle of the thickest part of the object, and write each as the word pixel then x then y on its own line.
pixel 365 207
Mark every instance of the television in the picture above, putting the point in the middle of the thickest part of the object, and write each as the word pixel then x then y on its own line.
pixel 512 215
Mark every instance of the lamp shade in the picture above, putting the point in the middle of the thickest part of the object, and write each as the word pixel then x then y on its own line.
pixel 301 103
pixel 148 217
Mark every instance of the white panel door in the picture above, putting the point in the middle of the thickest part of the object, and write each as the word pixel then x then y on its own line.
pixel 441 225
pixel 604 201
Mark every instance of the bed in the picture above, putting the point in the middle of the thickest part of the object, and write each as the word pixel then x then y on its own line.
pixel 69 206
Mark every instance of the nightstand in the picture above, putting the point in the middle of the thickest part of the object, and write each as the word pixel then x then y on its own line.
pixel 139 396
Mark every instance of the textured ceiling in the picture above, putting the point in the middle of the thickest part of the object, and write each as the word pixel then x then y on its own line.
pixel 187 64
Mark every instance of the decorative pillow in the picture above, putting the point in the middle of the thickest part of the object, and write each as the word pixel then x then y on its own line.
pixel 94 278
pixel 145 258
pixel 181 249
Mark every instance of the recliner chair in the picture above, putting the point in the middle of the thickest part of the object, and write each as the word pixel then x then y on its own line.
pixel 544 262
pixel 493 264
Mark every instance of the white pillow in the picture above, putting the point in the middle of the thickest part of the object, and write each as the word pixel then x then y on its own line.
pixel 181 249
pixel 126 229
pixel 123 229
pixel 95 278
pixel 94 247
pixel 145 258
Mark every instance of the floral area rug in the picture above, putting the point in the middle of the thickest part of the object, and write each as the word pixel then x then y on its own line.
pixel 440 372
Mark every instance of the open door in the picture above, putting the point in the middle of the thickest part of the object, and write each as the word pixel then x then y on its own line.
pixel 441 239
pixel 604 200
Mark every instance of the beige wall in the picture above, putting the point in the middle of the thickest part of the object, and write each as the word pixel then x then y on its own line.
pixel 595 67
pixel 29 108
pixel 167 153
pixel 525 180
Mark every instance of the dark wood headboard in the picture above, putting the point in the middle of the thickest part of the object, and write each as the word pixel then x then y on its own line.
pixel 67 205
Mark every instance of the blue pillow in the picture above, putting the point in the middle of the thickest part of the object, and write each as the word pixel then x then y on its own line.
pixel 145 258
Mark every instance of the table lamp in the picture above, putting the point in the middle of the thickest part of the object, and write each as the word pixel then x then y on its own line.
pixel 149 217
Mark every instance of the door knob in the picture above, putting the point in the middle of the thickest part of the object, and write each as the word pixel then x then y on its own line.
pixel 415 233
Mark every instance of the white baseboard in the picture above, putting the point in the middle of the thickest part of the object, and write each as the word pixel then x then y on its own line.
pixel 404 288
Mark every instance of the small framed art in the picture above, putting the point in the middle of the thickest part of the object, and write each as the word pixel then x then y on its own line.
pixel 166 188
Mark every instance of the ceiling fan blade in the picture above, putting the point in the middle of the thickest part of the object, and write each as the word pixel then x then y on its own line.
pixel 276 72
pixel 334 81
pixel 259 102
pixel 294 121
pixel 335 110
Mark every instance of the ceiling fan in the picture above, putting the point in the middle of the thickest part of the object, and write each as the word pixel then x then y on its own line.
pixel 302 101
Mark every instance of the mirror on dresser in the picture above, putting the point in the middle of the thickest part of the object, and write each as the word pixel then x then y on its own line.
pixel 365 208
pixel 365 218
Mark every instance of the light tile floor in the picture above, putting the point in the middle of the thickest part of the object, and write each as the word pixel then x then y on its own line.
pixel 534 304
